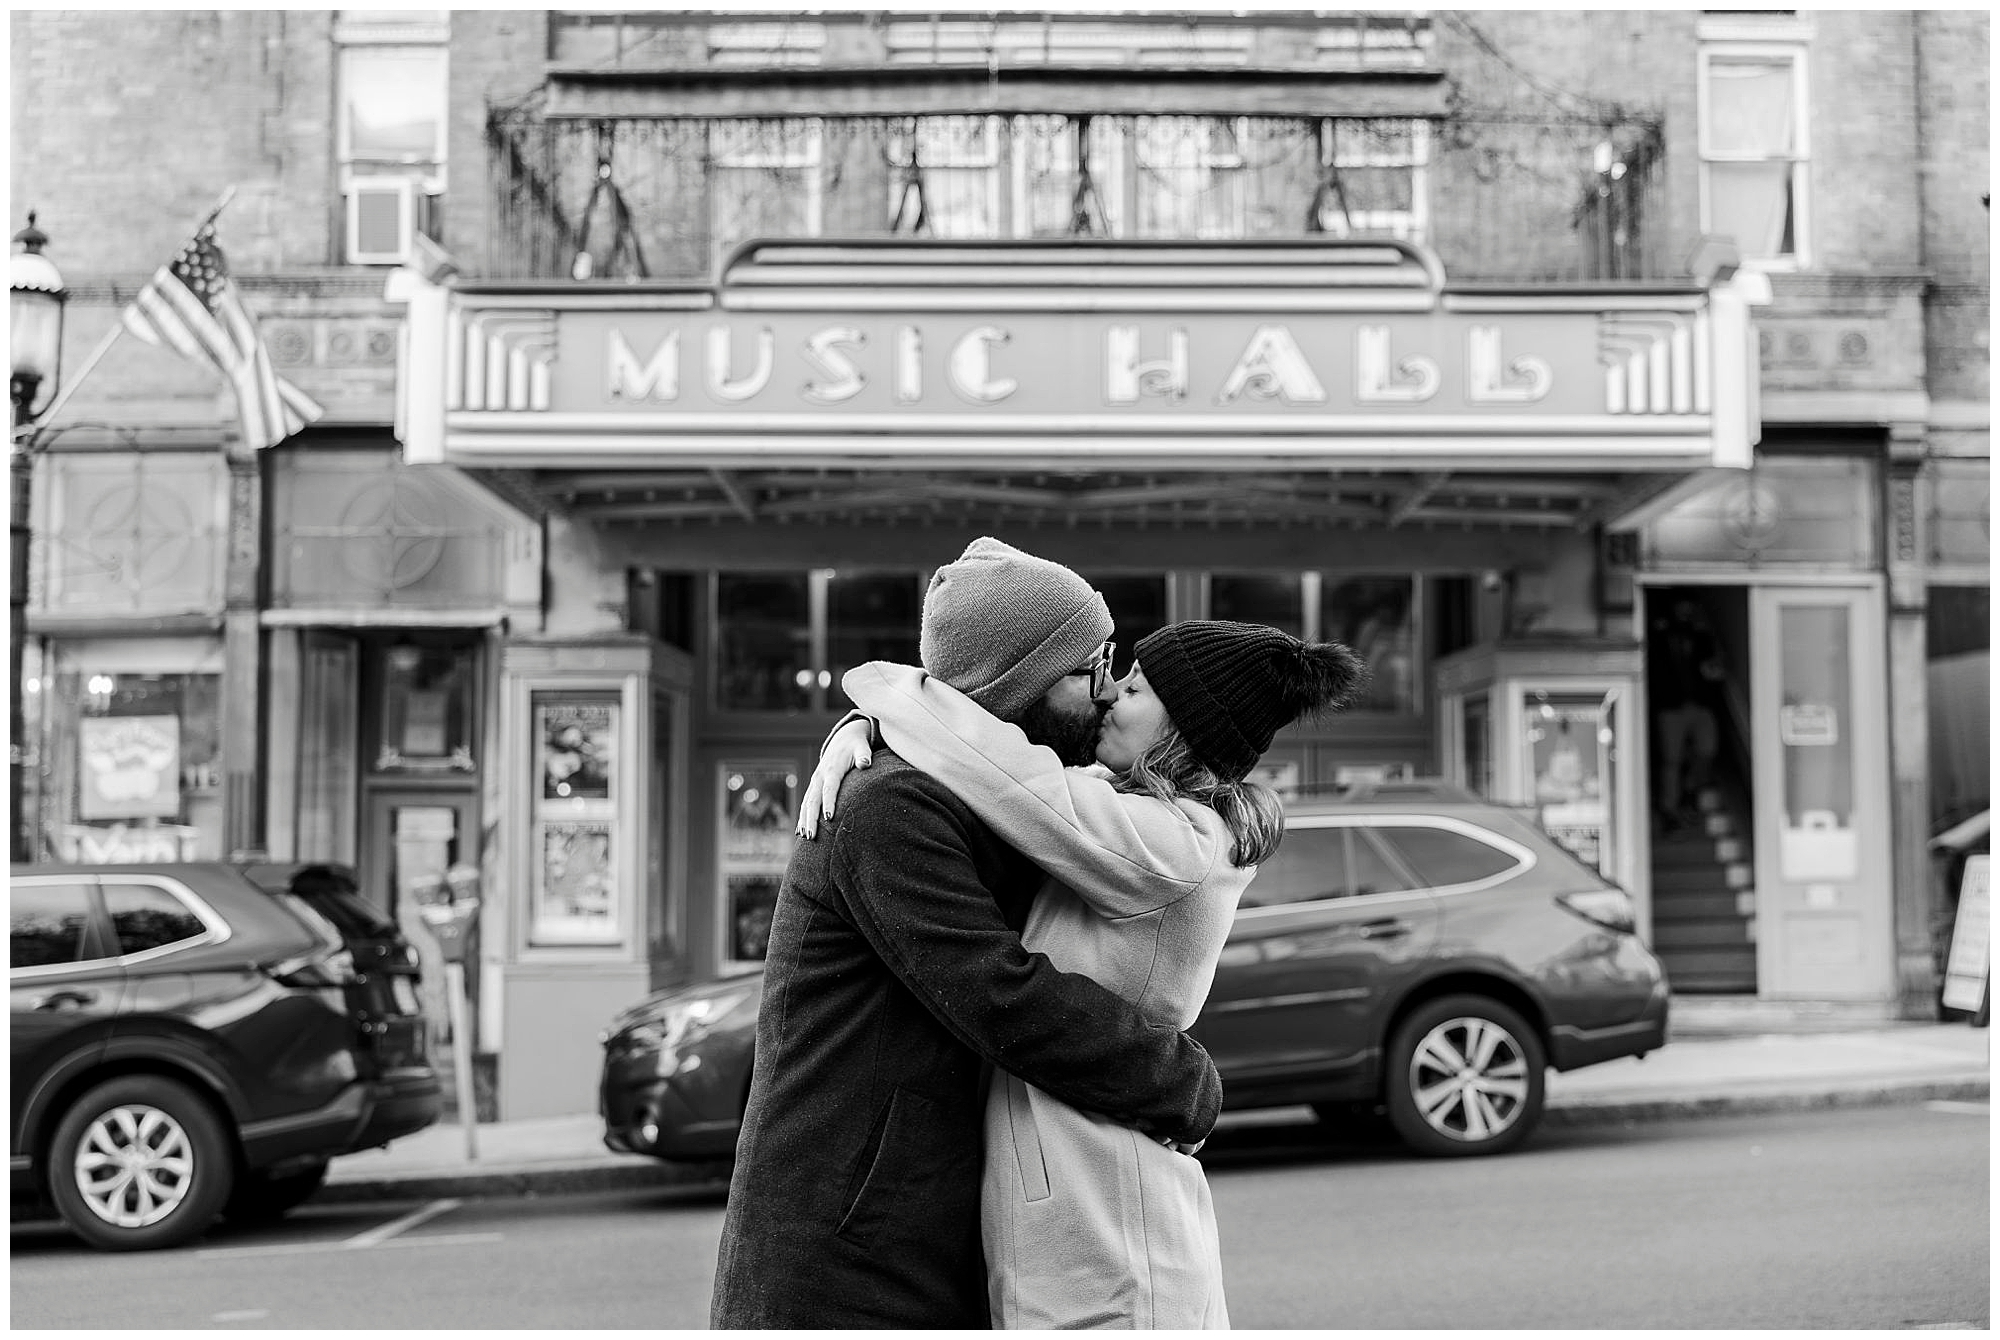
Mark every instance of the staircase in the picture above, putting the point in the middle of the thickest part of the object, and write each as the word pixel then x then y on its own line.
pixel 1705 901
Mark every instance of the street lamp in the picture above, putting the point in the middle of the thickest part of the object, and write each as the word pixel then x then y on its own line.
pixel 35 297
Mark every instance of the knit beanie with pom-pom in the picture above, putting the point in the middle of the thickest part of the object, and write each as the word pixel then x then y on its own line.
pixel 1230 687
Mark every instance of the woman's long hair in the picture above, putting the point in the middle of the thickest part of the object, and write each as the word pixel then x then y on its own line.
pixel 1169 771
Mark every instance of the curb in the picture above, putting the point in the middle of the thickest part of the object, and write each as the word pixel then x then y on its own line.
pixel 1613 1110
pixel 518 1182
pixel 713 1175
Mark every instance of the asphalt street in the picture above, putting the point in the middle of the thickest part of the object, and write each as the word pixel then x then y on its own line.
pixel 1862 1218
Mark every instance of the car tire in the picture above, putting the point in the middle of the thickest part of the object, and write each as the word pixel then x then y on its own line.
pixel 140 1162
pixel 1465 1075
pixel 262 1199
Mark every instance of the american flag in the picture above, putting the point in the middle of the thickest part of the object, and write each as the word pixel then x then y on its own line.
pixel 191 307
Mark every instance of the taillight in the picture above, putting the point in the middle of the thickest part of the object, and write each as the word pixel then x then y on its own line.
pixel 1610 908
pixel 316 971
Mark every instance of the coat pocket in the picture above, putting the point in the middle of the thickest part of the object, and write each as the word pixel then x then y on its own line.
pixel 1027 1138
pixel 922 1159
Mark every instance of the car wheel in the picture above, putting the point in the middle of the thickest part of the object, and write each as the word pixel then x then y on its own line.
pixel 140 1162
pixel 1466 1075
pixel 259 1198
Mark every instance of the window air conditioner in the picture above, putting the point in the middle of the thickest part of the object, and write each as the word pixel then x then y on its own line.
pixel 381 215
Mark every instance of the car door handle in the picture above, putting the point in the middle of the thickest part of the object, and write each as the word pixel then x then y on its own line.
pixel 1389 928
pixel 57 1000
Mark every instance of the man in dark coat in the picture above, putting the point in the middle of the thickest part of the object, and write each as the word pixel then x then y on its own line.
pixel 896 976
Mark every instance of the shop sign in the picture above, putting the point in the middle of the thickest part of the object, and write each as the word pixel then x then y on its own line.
pixel 1808 724
pixel 126 844
pixel 845 352
pixel 886 368
pixel 131 767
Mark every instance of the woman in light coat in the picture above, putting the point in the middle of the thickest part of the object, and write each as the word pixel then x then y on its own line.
pixel 1087 1223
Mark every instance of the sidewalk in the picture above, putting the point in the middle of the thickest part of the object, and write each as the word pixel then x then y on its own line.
pixel 1711 1066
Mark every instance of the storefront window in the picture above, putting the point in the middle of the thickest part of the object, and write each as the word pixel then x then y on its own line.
pixel 133 767
pixel 577 897
pixel 763 642
pixel 870 616
pixel 426 709
pixel 757 804
pixel 1270 598
pixel 1373 616
pixel 1138 606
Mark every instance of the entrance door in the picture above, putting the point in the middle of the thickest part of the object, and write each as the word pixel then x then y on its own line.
pixel 410 839
pixel 1822 850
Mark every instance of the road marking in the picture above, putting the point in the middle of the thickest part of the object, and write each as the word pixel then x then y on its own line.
pixel 376 1236
pixel 1953 1105
pixel 311 1248
pixel 247 1314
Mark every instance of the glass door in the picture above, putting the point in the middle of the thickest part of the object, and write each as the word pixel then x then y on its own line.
pixel 1822 800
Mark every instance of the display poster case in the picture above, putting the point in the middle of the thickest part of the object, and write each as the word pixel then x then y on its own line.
pixel 1554 726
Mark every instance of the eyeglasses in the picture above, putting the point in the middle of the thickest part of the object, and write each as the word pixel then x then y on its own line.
pixel 1098 667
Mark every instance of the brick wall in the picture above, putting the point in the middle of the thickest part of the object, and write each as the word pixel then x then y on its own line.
pixel 128 125
pixel 1863 141
pixel 1954 92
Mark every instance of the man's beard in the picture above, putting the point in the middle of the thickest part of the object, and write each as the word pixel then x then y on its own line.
pixel 1072 734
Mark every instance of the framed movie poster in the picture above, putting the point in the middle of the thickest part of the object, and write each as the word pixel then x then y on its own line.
pixel 758 807
pixel 577 741
pixel 575 896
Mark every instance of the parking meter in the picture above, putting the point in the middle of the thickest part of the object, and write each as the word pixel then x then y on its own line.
pixel 449 908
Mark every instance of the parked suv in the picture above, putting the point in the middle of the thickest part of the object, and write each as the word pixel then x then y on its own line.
pixel 1410 949
pixel 199 1039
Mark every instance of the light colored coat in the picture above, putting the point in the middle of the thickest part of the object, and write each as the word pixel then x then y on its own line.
pixel 1086 1223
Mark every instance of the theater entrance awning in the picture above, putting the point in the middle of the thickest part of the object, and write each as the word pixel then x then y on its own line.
pixel 1267 377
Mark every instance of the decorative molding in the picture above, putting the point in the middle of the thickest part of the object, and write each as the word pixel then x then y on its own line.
pixel 1869 407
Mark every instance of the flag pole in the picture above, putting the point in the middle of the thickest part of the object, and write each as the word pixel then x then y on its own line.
pixel 111 336
pixel 70 384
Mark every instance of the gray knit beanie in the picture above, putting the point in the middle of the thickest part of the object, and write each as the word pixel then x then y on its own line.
pixel 1002 627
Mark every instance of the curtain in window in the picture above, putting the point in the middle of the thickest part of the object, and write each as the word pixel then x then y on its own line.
pixel 1752 115
pixel 956 160
pixel 763 180
pixel 1190 177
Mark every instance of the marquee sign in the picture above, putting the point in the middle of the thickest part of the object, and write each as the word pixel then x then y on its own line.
pixel 942 354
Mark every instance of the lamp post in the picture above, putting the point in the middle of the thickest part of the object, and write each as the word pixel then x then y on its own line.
pixel 35 297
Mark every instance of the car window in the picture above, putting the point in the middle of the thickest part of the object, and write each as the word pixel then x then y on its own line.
pixel 1309 865
pixel 146 916
pixel 1443 856
pixel 1372 871
pixel 48 923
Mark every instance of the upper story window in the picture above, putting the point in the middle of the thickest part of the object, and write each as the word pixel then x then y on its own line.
pixel 1189 176
pixel 390 127
pixel 945 178
pixel 764 179
pixel 1754 149
pixel 1375 177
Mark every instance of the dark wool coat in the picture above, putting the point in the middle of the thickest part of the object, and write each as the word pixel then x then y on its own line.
pixel 895 968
